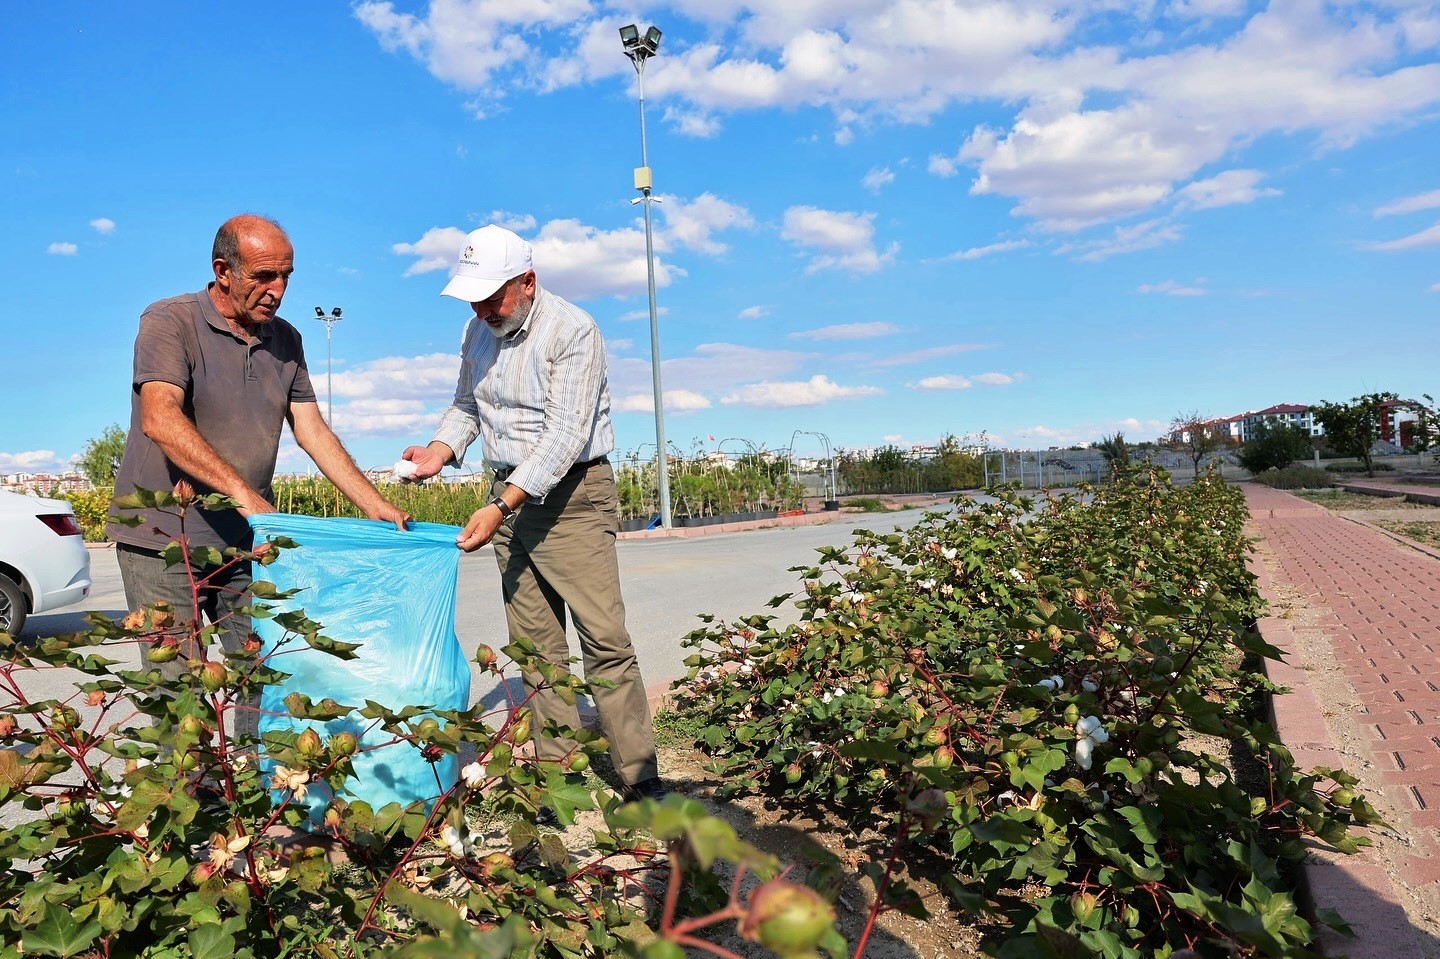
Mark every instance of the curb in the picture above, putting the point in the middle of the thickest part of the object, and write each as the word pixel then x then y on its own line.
pixel 1354 885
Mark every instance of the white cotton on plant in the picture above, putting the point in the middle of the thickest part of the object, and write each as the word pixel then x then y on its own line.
pixel 473 775
pixel 1089 685
pixel 925 584
pixel 949 552
pixel 1089 733
pixel 1052 683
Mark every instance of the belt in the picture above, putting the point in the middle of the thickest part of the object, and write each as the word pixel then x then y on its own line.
pixel 503 473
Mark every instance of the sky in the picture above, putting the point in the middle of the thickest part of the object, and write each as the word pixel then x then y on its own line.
pixel 880 221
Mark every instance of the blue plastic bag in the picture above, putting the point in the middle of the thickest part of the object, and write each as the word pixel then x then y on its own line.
pixel 393 593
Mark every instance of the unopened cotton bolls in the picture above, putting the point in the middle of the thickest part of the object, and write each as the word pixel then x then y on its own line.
pixel 404 469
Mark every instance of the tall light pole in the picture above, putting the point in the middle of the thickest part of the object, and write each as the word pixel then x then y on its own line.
pixel 639 49
pixel 329 322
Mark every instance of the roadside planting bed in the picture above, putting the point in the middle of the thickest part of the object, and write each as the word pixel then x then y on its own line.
pixel 1052 701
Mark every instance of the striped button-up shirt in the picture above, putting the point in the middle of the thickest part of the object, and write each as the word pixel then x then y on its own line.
pixel 538 400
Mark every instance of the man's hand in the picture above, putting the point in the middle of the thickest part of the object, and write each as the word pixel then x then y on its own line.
pixel 252 502
pixel 482 526
pixel 427 459
pixel 391 514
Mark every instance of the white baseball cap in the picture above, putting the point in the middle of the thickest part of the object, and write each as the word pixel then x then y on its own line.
pixel 492 255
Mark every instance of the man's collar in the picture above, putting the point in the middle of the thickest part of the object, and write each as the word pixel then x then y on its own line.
pixel 222 325
pixel 535 307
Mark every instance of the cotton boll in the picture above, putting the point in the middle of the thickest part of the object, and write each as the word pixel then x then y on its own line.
pixel 1083 748
pixel 404 469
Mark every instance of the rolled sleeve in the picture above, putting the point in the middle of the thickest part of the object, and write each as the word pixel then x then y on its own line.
pixel 460 424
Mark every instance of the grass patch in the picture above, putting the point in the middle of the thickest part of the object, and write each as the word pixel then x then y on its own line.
pixel 867 504
pixel 676 730
pixel 1426 534
pixel 1342 500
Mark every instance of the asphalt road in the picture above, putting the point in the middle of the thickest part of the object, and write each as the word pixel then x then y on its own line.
pixel 667 582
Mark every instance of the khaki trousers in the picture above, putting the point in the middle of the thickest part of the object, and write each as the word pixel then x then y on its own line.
pixel 560 554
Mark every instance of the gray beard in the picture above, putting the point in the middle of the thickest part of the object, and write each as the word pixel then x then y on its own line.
pixel 514 321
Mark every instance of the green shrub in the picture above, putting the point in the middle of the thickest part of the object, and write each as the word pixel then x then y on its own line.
pixel 1359 468
pixel 1297 477
pixel 91 508
pixel 866 504
pixel 1274 446
pixel 1030 693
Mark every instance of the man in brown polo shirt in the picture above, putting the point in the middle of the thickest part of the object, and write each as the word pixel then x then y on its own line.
pixel 216 375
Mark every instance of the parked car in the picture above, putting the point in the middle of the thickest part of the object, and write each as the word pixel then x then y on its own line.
pixel 43 561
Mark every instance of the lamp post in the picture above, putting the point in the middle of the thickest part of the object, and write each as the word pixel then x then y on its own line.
pixel 639 49
pixel 329 322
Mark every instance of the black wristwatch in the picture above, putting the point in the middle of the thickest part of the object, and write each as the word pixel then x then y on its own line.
pixel 506 510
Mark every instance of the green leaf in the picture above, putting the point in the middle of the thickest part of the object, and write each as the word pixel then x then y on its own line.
pixel 58 933
pixel 211 942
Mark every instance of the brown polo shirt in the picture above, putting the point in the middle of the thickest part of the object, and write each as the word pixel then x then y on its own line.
pixel 237 392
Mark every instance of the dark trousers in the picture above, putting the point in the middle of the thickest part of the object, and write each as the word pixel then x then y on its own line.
pixel 147 581
pixel 560 554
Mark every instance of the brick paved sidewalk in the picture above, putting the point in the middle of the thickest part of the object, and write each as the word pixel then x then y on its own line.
pixel 1372 633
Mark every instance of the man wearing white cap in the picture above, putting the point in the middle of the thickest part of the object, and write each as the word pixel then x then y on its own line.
pixel 533 390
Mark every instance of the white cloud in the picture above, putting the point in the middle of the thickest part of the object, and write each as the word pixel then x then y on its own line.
pixel 1410 204
pixel 1224 189
pixel 754 312
pixel 847 331
pixel 710 369
pixel 514 222
pixel 877 178
pixel 847 239
pixel 975 252
pixel 30 461
pixel 676 401
pixel 816 391
pixel 928 353
pixel 437 250
pixel 1171 288
pixel 692 123
pixel 1111 122
pixel 1414 241
pixel 583 262
pixel 467 42
pixel 103 225
pixel 1435 288
pixel 60 248
pixel 690 223
pixel 577 261
pixel 1206 9
pixel 385 417
pixel 429 378
pixel 946 382
pixel 953 381
pixel 1144 235
pixel 643 314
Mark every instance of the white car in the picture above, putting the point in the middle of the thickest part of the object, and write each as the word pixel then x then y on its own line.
pixel 43 560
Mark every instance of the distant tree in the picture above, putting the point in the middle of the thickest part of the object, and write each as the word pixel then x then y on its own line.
pixel 100 459
pixel 1274 446
pixel 1353 428
pixel 1113 448
pixel 1196 436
